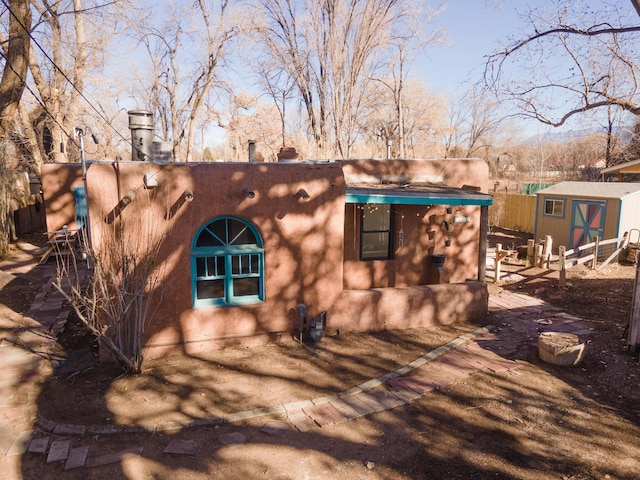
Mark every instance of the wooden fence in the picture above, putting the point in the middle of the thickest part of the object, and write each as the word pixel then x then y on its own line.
pixel 515 212
pixel 588 253
pixel 540 255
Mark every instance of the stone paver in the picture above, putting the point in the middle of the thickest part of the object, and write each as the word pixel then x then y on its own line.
pixel 346 410
pixel 109 458
pixel 20 444
pixel 275 428
pixel 182 447
pixel 77 457
pixel 231 439
pixel 301 421
pixel 59 451
pixel 325 414
pixel 39 445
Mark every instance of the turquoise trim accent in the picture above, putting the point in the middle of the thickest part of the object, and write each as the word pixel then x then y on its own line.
pixel 482 200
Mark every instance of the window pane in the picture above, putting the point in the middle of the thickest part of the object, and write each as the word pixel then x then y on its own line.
pixel 255 263
pixel 553 207
pixel 220 268
pixel 375 245
pixel 200 267
pixel 219 230
pixel 227 269
pixel 246 286
pixel 376 217
pixel 548 207
pixel 235 264
pixel 205 239
pixel 210 289
pixel 240 234
pixel 557 208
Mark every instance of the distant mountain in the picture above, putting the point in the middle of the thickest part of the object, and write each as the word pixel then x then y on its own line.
pixel 568 136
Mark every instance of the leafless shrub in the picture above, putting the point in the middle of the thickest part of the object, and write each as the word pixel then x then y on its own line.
pixel 116 291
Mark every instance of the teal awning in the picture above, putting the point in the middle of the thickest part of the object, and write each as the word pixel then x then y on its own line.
pixel 413 194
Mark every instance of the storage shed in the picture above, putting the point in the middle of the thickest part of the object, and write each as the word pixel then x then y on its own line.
pixel 574 213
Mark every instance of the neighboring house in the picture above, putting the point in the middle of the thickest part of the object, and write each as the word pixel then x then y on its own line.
pixel 574 213
pixel 626 168
pixel 242 244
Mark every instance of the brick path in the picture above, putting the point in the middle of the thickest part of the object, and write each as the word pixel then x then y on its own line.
pixel 517 319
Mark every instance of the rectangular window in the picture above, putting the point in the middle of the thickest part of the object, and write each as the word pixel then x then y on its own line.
pixel 376 224
pixel 554 208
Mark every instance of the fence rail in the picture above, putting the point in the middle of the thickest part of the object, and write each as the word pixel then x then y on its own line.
pixel 571 258
pixel 540 255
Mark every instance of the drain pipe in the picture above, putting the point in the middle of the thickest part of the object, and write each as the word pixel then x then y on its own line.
pixel 80 134
pixel 302 312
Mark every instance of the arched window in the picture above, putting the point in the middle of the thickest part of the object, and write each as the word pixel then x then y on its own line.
pixel 227 263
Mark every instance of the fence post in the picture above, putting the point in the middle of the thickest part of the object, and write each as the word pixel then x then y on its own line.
pixel 633 338
pixel 596 248
pixel 563 270
pixel 548 247
pixel 496 278
pixel 539 248
pixel 531 251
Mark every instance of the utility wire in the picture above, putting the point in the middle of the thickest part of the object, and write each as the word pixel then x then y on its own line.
pixel 53 63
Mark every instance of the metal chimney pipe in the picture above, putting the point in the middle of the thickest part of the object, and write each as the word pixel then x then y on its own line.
pixel 388 149
pixel 141 126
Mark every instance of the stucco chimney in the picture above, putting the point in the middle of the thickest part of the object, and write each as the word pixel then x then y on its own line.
pixel 287 154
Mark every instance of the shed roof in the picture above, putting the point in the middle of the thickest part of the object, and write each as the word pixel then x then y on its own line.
pixel 592 189
pixel 415 194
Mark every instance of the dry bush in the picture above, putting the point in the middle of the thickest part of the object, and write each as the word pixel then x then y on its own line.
pixel 115 289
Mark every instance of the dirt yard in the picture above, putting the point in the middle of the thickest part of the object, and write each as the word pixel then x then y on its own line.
pixel 536 422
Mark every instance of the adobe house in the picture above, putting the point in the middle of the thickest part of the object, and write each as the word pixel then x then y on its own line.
pixel 574 213
pixel 376 244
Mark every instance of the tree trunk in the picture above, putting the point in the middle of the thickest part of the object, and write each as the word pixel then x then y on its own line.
pixel 17 60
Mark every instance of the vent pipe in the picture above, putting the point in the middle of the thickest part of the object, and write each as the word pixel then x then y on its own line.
pixel 141 126
pixel 252 150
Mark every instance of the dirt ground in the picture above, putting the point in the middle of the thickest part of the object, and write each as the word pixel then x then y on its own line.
pixel 538 422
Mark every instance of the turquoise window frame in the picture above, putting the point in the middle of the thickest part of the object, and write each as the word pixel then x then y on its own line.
pixel 227 265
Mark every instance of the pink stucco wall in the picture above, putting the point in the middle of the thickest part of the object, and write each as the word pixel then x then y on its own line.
pixel 306 242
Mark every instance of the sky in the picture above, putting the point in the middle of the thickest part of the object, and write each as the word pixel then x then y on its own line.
pixel 477 28
pixel 474 29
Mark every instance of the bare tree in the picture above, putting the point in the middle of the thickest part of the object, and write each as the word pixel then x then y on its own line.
pixel 422 119
pixel 185 55
pixel 331 50
pixel 576 59
pixel 278 85
pixel 61 54
pixel 475 124
pixel 16 55
pixel 411 36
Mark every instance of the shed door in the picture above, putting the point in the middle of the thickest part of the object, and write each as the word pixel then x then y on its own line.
pixel 587 222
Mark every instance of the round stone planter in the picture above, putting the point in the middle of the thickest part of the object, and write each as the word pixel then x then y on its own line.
pixel 563 349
